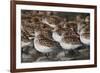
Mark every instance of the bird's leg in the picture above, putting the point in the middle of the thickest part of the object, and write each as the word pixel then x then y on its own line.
pixel 47 55
pixel 66 52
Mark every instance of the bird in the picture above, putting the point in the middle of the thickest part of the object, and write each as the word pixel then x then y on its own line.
pixel 85 32
pixel 57 33
pixel 25 38
pixel 52 20
pixel 27 30
pixel 46 31
pixel 43 44
pixel 70 42
pixel 67 37
pixel 79 20
pixel 56 23
pixel 72 25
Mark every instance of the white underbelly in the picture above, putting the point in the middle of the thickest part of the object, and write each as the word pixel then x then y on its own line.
pixel 41 48
pixel 85 40
pixel 69 45
pixel 56 37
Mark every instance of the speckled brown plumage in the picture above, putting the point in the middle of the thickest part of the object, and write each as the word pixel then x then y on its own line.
pixel 46 42
pixel 71 37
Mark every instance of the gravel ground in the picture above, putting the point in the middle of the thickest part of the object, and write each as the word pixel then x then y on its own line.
pixel 29 54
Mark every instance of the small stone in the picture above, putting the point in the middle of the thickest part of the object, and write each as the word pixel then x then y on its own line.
pixel 26 58
pixel 42 59
pixel 65 59
pixel 61 54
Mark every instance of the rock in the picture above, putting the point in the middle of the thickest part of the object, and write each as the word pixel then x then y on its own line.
pixel 65 59
pixel 85 53
pixel 42 59
pixel 26 58
pixel 30 54
pixel 61 54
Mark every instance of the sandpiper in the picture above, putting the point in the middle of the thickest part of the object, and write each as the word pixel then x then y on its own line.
pixel 46 31
pixel 27 30
pixel 79 21
pixel 43 44
pixel 52 21
pixel 70 41
pixel 85 32
pixel 57 33
pixel 56 23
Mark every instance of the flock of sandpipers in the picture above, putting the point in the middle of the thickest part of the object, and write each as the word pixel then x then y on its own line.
pixel 51 33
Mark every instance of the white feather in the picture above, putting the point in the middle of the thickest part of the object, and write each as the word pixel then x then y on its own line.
pixel 69 45
pixel 56 36
pixel 41 48
pixel 85 40
pixel 51 25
